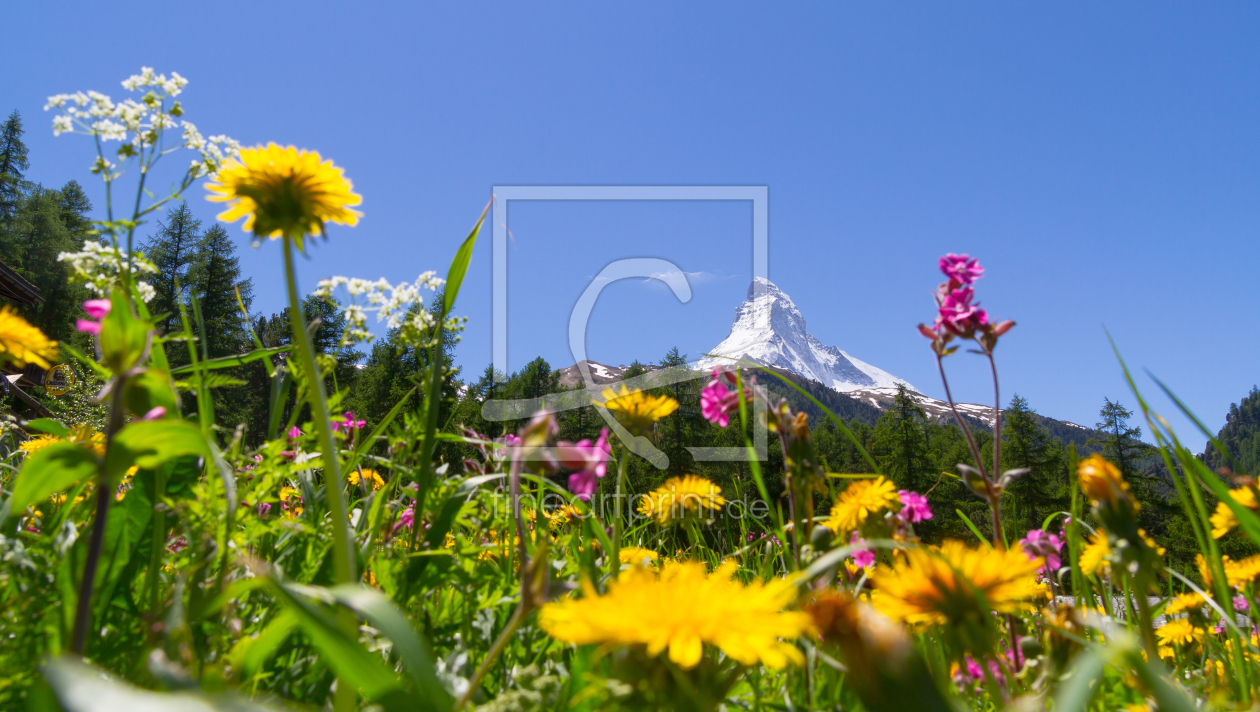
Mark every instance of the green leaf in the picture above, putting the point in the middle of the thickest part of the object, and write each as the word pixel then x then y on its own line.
pixel 123 337
pixel 251 653
pixel 1078 689
pixel 353 664
pixel 149 390
pixel 80 687
pixel 230 361
pixel 972 527
pixel 212 380
pixel 51 469
pixel 48 425
pixel 149 444
pixel 459 265
pixel 410 646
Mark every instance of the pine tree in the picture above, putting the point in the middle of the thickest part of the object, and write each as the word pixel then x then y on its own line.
pixel 1122 445
pixel 1025 444
pixel 40 232
pixel 900 442
pixel 13 164
pixel 214 276
pixel 173 250
pixel 1240 437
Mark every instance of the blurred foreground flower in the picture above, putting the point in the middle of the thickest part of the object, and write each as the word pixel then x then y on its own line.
pixel 1223 519
pixel 22 343
pixel 957 586
pixel 681 610
pixel 589 459
pixel 283 191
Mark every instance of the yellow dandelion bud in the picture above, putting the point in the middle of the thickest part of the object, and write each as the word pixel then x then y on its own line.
pixel 1100 480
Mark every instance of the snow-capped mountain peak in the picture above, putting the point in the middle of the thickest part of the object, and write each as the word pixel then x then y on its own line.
pixel 769 329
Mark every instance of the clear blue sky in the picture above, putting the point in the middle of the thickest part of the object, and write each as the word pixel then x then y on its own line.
pixel 1101 159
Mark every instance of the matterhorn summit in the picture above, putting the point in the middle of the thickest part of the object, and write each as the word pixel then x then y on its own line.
pixel 770 330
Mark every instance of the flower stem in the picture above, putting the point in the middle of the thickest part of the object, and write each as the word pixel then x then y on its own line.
pixel 614 557
pixel 104 497
pixel 343 564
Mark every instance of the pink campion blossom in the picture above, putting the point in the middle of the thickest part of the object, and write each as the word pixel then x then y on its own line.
pixel 722 373
pixel 349 424
pixel 716 403
pixel 590 461
pixel 155 413
pixel 97 309
pixel 405 520
pixel 914 507
pixel 294 433
pixel 958 315
pixel 1041 544
pixel 263 509
pixel 862 557
pixel 1240 603
pixel 962 268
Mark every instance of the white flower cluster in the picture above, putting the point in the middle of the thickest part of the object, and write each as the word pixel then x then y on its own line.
pixel 391 303
pixel 99 267
pixel 138 124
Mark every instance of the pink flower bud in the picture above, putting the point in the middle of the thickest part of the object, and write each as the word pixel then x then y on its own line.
pixel 155 413
pixel 97 308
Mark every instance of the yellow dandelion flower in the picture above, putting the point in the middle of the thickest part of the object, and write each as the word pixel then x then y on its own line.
pixel 1167 653
pixel 85 435
pixel 290 502
pixel 34 445
pixel 1100 480
pixel 1223 519
pixel 1242 572
pixel 1206 572
pixel 371 476
pixel 22 343
pixel 1095 554
pixel 1185 603
pixel 283 191
pixel 681 497
pixel 862 499
pixel 938 585
pixel 637 555
pixel 1178 631
pixel 682 609
pixel 562 516
pixel 636 410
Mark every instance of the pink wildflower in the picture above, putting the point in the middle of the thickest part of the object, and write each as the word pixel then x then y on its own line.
pixel 405 520
pixel 962 268
pixel 590 461
pixel 97 309
pixel 294 433
pixel 716 403
pixel 862 557
pixel 349 424
pixel 1038 543
pixel 1240 603
pixel 155 413
pixel 914 507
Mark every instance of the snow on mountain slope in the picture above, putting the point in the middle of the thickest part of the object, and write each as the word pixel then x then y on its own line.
pixel 770 330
